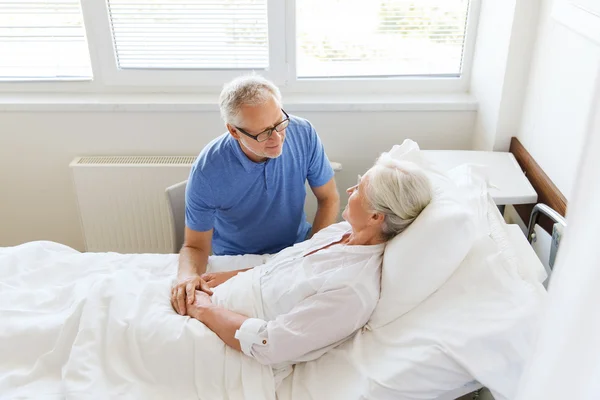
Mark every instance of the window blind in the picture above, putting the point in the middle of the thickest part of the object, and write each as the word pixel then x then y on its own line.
pixel 42 40
pixel 350 38
pixel 190 34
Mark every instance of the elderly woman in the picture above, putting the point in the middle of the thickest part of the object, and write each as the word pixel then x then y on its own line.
pixel 320 291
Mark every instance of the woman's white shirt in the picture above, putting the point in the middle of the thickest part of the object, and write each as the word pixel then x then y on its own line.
pixel 312 303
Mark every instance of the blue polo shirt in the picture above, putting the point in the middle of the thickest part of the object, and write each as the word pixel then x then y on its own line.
pixel 255 208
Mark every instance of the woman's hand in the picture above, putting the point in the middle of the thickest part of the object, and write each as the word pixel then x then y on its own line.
pixel 223 322
pixel 214 279
pixel 183 289
pixel 202 303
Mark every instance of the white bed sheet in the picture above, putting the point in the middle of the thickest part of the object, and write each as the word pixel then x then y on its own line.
pixel 100 326
pixel 486 312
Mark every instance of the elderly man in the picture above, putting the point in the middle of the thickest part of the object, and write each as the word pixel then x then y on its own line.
pixel 246 190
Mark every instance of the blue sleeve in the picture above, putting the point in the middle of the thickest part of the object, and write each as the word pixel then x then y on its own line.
pixel 199 203
pixel 319 167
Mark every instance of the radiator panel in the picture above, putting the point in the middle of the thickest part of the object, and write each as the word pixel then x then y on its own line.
pixel 122 202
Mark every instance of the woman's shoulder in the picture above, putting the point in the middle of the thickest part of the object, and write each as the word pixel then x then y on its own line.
pixel 355 270
pixel 333 230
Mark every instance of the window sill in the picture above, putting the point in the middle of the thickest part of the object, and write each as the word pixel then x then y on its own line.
pixel 26 102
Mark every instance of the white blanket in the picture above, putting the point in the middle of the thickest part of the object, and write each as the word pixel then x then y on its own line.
pixel 76 325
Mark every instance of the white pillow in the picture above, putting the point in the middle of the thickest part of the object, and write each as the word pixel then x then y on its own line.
pixel 422 258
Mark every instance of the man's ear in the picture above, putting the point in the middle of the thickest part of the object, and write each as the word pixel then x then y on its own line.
pixel 232 131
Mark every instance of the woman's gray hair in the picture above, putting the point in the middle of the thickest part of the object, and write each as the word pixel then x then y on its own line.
pixel 250 90
pixel 399 190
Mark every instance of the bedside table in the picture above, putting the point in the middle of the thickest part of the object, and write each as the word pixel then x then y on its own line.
pixel 510 184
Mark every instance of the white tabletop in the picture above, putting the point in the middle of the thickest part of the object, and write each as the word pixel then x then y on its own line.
pixel 510 184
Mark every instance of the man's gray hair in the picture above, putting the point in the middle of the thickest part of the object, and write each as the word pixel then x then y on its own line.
pixel 250 90
pixel 399 190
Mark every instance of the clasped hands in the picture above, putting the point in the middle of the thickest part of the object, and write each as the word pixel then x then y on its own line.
pixel 191 293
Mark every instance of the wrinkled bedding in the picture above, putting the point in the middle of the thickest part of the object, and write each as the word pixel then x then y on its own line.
pixel 101 326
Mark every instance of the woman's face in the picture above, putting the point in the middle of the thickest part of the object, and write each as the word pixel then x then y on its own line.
pixel 357 212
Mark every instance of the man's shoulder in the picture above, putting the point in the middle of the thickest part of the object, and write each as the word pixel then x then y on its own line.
pixel 301 133
pixel 300 125
pixel 213 162
pixel 214 156
pixel 300 122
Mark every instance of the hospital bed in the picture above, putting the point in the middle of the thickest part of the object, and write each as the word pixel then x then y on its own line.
pixel 434 376
pixel 421 355
pixel 344 380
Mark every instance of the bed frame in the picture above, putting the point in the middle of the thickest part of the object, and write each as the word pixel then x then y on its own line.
pixel 547 191
pixel 548 194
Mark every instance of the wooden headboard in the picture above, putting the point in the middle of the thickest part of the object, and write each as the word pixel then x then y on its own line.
pixel 547 191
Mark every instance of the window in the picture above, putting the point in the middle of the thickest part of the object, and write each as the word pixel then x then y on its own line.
pixel 42 40
pixel 358 38
pixel 327 46
pixel 190 34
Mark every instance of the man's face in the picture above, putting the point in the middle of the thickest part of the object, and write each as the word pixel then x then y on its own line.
pixel 255 120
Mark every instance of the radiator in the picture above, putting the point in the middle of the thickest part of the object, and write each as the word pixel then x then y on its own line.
pixel 122 202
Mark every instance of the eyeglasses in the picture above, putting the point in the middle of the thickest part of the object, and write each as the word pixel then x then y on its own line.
pixel 266 134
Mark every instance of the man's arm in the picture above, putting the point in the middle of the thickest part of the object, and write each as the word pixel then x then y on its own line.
pixel 193 256
pixel 193 259
pixel 328 205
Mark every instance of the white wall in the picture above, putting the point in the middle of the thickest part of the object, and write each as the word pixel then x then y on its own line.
pixel 505 39
pixel 544 66
pixel 489 66
pixel 37 198
pixel 559 99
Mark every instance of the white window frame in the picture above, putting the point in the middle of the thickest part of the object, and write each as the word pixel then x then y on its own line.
pixel 96 17
pixel 108 78
pixel 396 85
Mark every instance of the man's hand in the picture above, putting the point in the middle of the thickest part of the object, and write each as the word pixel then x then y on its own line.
pixel 214 279
pixel 202 302
pixel 183 292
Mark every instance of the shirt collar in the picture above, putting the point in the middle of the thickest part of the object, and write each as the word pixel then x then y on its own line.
pixel 247 163
pixel 366 249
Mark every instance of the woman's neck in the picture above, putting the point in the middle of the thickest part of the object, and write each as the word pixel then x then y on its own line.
pixel 363 238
